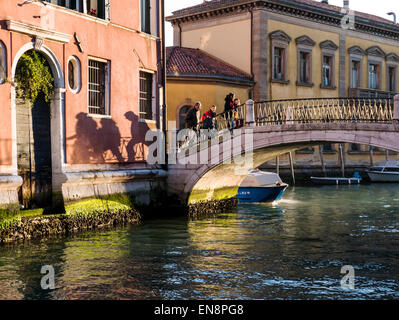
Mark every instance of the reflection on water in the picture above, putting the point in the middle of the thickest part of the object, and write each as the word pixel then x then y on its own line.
pixel 291 250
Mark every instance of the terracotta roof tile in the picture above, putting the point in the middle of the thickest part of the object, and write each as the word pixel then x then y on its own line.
pixel 182 61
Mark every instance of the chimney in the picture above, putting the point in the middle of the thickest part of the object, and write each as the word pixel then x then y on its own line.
pixel 346 4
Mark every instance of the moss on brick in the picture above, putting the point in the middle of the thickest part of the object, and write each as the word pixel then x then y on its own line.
pixel 218 194
pixel 80 215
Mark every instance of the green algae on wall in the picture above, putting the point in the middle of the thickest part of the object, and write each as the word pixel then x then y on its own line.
pixel 209 195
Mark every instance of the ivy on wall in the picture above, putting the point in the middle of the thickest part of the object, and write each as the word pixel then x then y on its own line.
pixel 32 77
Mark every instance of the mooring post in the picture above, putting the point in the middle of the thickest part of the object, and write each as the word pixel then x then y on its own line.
pixel 292 168
pixel 323 164
pixel 250 113
pixel 278 165
pixel 371 148
pixel 396 108
pixel 342 160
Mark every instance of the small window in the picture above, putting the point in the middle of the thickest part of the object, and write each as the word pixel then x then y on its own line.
pixel 278 70
pixel 74 74
pixel 355 147
pixel 304 67
pixel 3 63
pixel 145 8
pixel 355 74
pixel 373 76
pixel 98 87
pixel 146 101
pixel 328 148
pixel 392 79
pixel 327 71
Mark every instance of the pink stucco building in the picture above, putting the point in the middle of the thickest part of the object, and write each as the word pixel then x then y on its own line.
pixel 106 60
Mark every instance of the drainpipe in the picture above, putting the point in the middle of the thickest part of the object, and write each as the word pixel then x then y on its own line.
pixel 178 24
pixel 164 122
pixel 251 62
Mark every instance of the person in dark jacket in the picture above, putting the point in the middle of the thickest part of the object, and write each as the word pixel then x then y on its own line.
pixel 192 117
pixel 229 110
pixel 207 118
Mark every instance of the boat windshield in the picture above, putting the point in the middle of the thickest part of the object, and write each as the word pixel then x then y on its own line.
pixel 391 169
pixel 376 169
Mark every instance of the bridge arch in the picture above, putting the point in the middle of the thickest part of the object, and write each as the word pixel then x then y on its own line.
pixel 198 182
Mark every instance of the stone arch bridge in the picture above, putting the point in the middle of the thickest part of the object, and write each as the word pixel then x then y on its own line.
pixel 274 128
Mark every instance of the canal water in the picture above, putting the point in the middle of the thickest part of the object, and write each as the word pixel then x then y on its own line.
pixel 293 250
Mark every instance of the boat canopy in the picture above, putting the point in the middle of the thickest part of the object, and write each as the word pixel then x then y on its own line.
pixel 257 178
pixel 390 163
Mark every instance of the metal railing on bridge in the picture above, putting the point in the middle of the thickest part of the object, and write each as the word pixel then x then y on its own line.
pixel 322 110
pixel 313 110
pixel 301 111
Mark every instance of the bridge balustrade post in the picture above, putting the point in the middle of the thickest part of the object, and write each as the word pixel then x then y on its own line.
pixel 250 113
pixel 396 109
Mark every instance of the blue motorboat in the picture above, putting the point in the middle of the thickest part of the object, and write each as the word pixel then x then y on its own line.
pixel 261 186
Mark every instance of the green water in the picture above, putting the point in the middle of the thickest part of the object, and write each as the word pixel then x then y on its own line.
pixel 293 250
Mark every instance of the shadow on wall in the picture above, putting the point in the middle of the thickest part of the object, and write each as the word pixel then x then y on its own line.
pixel 136 146
pixel 103 143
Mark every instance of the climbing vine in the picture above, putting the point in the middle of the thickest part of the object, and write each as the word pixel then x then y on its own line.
pixel 32 77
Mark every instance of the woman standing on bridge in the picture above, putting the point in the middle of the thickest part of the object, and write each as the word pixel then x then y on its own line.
pixel 229 110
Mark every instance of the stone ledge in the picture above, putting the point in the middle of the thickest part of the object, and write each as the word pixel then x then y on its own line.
pixel 46 226
pixel 205 209
pixel 10 181
pixel 113 176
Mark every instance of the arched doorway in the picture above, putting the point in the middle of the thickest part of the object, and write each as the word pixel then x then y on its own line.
pixel 39 138
pixel 34 143
pixel 182 116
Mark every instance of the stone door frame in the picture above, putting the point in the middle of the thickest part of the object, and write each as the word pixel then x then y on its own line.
pixel 57 109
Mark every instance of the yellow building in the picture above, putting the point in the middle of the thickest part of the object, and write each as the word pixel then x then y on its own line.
pixel 298 49
pixel 194 75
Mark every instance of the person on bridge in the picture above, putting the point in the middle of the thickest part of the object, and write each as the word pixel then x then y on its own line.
pixel 208 118
pixel 192 117
pixel 237 121
pixel 229 110
pixel 192 123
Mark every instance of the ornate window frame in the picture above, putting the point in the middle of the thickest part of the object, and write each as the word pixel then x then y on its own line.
pixel 375 56
pixel 328 49
pixel 356 54
pixel 279 39
pixel 392 61
pixel 305 45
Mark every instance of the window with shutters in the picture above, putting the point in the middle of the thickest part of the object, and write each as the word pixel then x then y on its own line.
pixel 146 95
pixel 98 87
pixel 145 8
